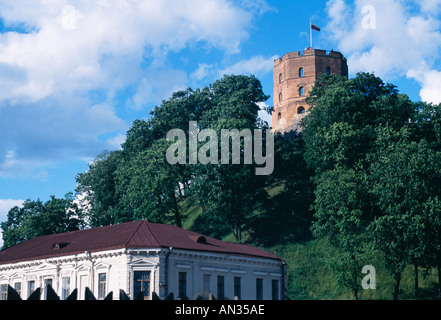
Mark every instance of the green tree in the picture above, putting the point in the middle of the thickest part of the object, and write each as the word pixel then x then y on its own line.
pixel 404 175
pixel 431 219
pixel 342 133
pixel 149 187
pixel 340 210
pixel 286 216
pixel 340 128
pixel 36 218
pixel 146 185
pixel 229 193
pixel 174 113
pixel 97 189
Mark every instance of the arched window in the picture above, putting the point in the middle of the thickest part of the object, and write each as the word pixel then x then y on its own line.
pixel 301 91
pixel 300 110
pixel 280 78
pixel 301 73
pixel 280 96
pixel 279 116
pixel 328 71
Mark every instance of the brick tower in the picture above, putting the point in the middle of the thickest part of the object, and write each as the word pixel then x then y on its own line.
pixel 294 76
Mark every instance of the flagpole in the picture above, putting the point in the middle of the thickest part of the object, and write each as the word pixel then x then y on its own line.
pixel 310 33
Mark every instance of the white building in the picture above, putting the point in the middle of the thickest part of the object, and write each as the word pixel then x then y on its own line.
pixel 141 256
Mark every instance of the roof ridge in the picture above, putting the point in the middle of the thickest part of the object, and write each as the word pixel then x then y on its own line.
pixel 141 222
pixel 134 232
pixel 148 228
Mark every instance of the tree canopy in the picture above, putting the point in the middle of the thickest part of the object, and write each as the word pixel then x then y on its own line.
pixel 376 156
pixel 138 183
pixel 37 218
pixel 364 175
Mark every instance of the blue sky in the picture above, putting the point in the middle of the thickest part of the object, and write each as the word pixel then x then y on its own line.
pixel 75 74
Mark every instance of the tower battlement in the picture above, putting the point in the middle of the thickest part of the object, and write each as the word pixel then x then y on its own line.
pixel 294 76
pixel 309 52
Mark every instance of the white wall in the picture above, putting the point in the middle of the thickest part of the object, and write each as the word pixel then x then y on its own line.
pixel 164 266
pixel 196 265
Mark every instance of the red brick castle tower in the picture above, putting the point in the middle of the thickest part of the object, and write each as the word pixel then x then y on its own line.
pixel 294 76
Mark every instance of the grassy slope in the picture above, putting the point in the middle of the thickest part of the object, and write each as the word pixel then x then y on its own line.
pixel 308 275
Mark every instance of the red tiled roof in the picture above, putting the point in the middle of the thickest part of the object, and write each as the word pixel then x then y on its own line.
pixel 137 234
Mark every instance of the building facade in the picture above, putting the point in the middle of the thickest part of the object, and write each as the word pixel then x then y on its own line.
pixel 294 77
pixel 142 257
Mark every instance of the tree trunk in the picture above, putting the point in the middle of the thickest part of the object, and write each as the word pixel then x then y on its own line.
pixel 397 285
pixel 416 280
pixel 237 232
pixel 176 211
pixel 355 294
pixel 355 278
pixel 439 281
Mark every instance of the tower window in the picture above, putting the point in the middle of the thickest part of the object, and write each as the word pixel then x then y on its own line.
pixel 301 73
pixel 280 78
pixel 301 91
pixel 279 116
pixel 280 96
pixel 328 71
pixel 300 110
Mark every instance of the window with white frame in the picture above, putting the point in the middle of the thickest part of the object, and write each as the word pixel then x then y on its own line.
pixel 182 286
pixel 220 287
pixel 275 289
pixel 17 287
pixel 102 284
pixel 65 287
pixel 237 288
pixel 141 283
pixel 259 289
pixel 206 286
pixel 3 292
pixel 31 287
pixel 47 283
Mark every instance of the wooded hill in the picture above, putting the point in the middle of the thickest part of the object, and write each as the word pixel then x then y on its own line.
pixel 359 186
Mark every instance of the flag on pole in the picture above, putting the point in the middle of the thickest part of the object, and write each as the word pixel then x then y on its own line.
pixel 314 27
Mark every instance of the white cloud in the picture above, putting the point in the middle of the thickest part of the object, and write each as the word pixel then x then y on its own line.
pixel 157 85
pixel 201 72
pixel 257 65
pixel 62 127
pixel 431 6
pixel 6 205
pixel 66 52
pixel 430 81
pixel 116 142
pixel 431 87
pixel 63 52
pixel 404 36
pixel 265 116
